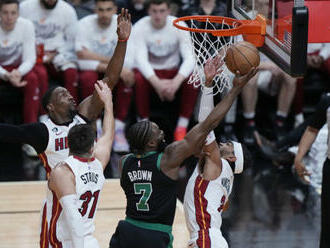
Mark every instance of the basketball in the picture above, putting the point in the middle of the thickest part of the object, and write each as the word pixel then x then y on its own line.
pixel 241 57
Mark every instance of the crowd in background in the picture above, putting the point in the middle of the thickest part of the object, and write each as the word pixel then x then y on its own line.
pixel 53 42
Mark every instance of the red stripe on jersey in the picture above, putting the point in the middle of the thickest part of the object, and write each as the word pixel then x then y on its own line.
pixel 44 229
pixel 203 218
pixel 56 211
pixel 44 160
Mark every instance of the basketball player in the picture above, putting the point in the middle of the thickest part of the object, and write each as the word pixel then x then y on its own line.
pixel 320 118
pixel 50 139
pixel 210 185
pixel 149 176
pixel 76 182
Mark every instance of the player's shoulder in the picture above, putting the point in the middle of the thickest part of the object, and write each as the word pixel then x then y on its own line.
pixel 61 169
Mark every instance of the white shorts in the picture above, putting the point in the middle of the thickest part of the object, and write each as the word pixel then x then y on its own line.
pixel 265 83
pixel 214 239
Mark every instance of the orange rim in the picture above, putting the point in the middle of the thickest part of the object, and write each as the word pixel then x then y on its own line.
pixel 253 30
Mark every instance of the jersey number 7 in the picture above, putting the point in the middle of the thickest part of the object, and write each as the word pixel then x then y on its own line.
pixel 86 197
pixel 145 189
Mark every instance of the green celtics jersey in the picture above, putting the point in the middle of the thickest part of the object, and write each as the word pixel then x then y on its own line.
pixel 150 194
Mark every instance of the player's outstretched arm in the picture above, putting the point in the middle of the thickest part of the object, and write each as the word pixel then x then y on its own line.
pixel 92 106
pixel 104 144
pixel 115 65
pixel 62 182
pixel 194 141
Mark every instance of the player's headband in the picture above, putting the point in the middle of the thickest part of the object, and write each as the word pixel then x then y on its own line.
pixel 238 151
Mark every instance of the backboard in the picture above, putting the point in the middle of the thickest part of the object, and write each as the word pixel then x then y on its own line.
pixel 291 24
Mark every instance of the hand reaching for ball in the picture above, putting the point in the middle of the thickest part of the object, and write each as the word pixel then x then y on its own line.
pixel 241 81
pixel 211 68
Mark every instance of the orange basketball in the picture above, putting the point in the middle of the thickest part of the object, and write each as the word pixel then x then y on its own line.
pixel 241 57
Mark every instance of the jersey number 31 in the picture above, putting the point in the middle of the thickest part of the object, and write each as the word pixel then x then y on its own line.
pixel 87 197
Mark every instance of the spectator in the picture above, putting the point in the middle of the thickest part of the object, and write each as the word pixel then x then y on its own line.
pixel 272 80
pixel 95 43
pixel 18 56
pixel 55 24
pixel 160 50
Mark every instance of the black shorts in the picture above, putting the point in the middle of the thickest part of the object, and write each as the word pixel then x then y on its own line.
pixel 128 235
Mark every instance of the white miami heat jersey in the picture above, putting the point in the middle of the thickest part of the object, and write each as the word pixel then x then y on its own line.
pixel 203 204
pixel 57 148
pixel 89 180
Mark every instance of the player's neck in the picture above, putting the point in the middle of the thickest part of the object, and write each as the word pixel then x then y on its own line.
pixel 59 120
pixel 211 170
pixel 86 155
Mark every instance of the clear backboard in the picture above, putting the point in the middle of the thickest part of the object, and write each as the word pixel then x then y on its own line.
pixel 291 24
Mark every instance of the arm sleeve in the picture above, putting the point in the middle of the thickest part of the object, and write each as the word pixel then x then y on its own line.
pixel 186 51
pixel 29 49
pixel 205 107
pixel 142 52
pixel 34 134
pixel 73 219
pixel 320 116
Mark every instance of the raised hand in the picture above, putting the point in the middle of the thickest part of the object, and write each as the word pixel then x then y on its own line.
pixel 124 25
pixel 241 81
pixel 104 92
pixel 211 68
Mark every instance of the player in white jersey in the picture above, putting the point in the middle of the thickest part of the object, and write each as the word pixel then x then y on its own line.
pixel 95 43
pixel 210 185
pixel 164 61
pixel 76 182
pixel 49 139
pixel 17 57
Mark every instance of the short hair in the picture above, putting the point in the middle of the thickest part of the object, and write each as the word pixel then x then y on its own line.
pixel 157 2
pixel 114 1
pixel 139 135
pixel 47 96
pixel 3 2
pixel 81 139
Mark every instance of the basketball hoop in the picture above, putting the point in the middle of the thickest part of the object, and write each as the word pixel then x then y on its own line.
pixel 211 36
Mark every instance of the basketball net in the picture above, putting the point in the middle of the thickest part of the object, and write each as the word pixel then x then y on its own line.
pixel 207 46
